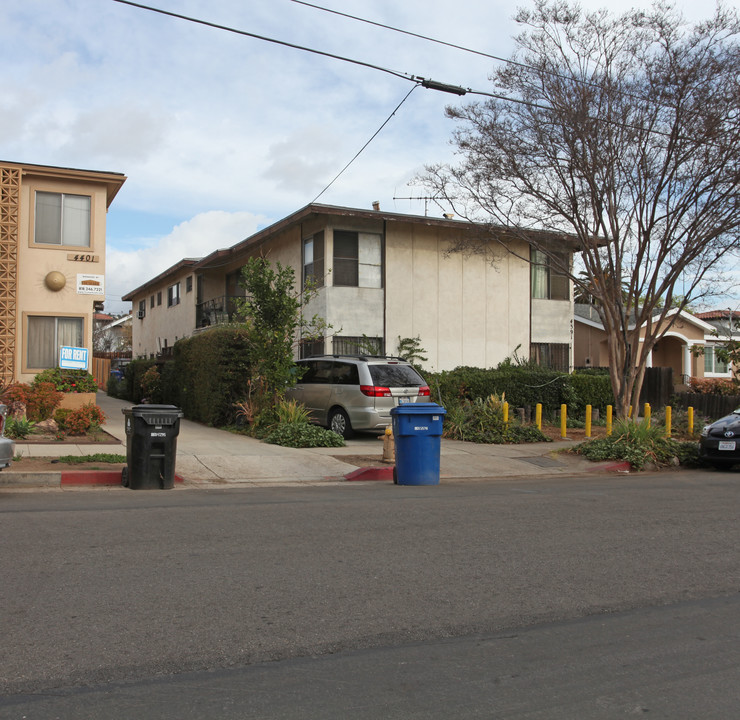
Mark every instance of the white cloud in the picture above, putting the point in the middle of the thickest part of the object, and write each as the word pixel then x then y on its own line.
pixel 204 233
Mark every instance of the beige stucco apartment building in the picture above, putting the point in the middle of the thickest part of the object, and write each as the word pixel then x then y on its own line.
pixel 380 276
pixel 52 262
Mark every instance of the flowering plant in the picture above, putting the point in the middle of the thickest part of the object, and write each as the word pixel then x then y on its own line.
pixel 68 381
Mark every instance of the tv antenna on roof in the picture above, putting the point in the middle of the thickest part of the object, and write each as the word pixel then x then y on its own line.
pixel 425 198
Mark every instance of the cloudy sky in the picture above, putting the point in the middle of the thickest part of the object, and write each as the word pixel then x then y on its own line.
pixel 222 134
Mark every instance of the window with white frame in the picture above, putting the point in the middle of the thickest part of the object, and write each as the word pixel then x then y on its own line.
pixel 62 219
pixel 549 282
pixel 358 259
pixel 712 364
pixel 173 295
pixel 45 335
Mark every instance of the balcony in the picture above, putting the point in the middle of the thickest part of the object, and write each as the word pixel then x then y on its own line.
pixel 217 311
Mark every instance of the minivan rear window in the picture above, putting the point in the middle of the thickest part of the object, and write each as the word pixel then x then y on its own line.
pixel 395 376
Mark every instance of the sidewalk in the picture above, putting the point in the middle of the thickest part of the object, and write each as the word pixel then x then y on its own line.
pixel 212 456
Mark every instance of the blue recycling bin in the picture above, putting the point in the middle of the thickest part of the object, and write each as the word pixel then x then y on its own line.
pixel 417 429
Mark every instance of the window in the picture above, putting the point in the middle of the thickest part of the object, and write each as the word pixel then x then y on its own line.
pixel 357 345
pixel 313 259
pixel 173 295
pixel 555 356
pixel 151 301
pixel 548 282
pixel 62 219
pixel 312 347
pixel 142 309
pixel 46 335
pixel 712 364
pixel 189 284
pixel 159 298
pixel 357 259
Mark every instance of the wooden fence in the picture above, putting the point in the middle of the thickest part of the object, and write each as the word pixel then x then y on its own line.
pixel 100 371
pixel 707 405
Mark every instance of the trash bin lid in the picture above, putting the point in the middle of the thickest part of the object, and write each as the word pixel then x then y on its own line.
pixel 155 414
pixel 418 409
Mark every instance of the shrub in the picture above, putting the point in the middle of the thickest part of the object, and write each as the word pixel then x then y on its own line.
pixel 208 374
pixel 16 396
pixel 714 386
pixel 115 387
pixel 39 400
pixel 68 381
pixel 43 400
pixel 61 415
pixel 482 421
pixel 131 383
pixel 635 442
pixel 151 385
pixel 302 435
pixel 291 411
pixel 17 429
pixel 85 419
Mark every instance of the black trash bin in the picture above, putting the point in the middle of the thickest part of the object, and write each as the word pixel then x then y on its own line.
pixel 151 446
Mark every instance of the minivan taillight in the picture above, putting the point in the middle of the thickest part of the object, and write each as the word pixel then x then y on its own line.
pixel 375 391
pixel 424 391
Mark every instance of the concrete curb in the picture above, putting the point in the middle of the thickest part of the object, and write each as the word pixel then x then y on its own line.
pixel 66 478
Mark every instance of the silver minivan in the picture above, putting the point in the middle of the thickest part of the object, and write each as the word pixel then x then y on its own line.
pixel 346 393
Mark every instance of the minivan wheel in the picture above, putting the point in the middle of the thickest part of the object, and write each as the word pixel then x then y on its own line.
pixel 339 423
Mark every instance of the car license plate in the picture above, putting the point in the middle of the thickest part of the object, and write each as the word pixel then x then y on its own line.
pixel 726 445
pixel 402 400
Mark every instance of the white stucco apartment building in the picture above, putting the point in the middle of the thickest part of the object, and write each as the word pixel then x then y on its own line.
pixel 380 276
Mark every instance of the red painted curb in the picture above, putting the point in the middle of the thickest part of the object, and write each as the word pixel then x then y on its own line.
pixel 371 473
pixel 96 477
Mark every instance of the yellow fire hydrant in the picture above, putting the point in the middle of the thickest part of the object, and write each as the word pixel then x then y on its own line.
pixel 389 446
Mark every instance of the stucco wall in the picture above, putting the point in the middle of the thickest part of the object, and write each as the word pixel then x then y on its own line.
pixel 465 309
pixel 163 326
pixel 35 262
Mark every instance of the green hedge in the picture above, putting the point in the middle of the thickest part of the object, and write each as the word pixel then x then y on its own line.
pixel 524 385
pixel 208 373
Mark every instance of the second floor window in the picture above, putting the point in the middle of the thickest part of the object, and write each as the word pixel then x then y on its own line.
pixel 62 219
pixel 173 295
pixel 548 279
pixel 313 259
pixel 357 259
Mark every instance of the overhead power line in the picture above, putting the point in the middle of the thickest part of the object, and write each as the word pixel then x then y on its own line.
pixel 402 75
pixel 416 79
pixel 387 120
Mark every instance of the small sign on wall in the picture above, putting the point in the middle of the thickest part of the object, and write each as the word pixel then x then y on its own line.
pixel 90 284
pixel 72 358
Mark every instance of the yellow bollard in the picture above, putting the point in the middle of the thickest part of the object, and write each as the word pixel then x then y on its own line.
pixel 538 416
pixel 691 420
pixel 629 414
pixel 647 414
pixel 588 421
pixel 563 420
pixel 608 419
pixel 667 420
pixel 506 413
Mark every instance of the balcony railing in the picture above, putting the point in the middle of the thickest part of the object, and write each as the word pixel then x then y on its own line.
pixel 217 311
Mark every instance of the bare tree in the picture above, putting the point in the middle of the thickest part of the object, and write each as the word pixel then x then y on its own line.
pixel 623 133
